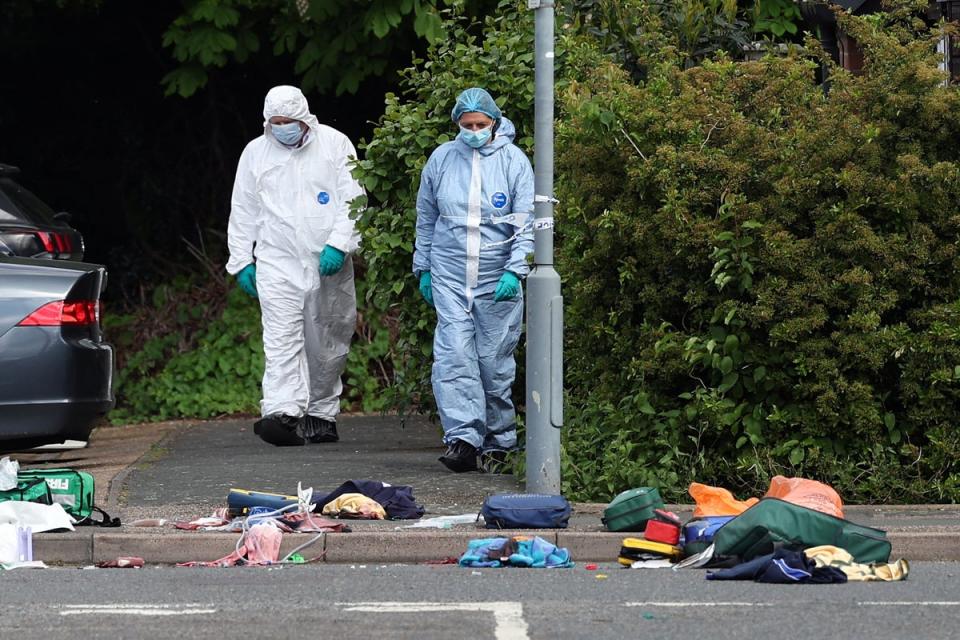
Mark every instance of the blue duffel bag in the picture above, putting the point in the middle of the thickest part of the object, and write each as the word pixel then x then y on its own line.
pixel 698 533
pixel 525 511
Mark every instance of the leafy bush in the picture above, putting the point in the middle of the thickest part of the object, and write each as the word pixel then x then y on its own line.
pixel 195 351
pixel 761 277
pixel 323 38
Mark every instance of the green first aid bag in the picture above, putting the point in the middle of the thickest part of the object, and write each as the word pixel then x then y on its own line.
pixel 73 490
pixel 28 490
pixel 772 522
pixel 630 510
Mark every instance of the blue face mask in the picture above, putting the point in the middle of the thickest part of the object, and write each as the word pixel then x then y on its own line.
pixel 288 134
pixel 476 139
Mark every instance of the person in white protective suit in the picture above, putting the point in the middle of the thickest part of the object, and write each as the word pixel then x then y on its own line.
pixel 474 232
pixel 291 239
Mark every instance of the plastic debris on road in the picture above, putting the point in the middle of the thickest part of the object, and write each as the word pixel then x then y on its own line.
pixel 123 562
pixel 443 522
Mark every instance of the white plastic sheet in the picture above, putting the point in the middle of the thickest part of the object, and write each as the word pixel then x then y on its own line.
pixel 39 517
pixel 443 522
pixel 8 543
pixel 8 473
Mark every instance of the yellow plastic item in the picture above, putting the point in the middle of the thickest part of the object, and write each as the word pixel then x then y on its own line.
pixel 641 545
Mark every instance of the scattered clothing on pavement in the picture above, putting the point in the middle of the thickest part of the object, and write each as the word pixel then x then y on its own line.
pixel 783 566
pixel 517 551
pixel 830 556
pixel 355 506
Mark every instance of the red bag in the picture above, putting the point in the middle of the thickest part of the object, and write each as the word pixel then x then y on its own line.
pixel 663 527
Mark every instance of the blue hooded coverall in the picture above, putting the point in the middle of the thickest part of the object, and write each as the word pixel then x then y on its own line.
pixel 474 221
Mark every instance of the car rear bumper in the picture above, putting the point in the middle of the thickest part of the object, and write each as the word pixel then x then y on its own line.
pixel 51 387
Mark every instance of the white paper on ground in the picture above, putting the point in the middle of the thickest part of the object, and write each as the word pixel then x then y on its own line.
pixel 443 522
pixel 8 543
pixel 39 517
pixel 696 561
pixel 8 473
pixel 33 564
pixel 651 564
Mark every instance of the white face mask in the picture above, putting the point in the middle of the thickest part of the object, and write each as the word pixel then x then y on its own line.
pixel 288 134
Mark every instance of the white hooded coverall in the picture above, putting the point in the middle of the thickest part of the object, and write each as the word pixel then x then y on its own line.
pixel 288 202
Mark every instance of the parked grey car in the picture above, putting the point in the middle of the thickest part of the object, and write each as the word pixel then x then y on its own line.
pixel 56 372
pixel 29 227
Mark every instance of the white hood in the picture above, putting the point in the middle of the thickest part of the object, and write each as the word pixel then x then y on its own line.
pixel 288 102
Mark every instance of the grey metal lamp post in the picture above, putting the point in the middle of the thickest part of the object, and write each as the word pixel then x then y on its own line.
pixel 544 302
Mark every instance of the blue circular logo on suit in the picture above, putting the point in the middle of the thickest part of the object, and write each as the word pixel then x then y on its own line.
pixel 499 199
pixel 323 197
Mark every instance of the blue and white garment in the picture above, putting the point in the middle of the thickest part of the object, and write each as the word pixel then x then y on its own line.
pixel 474 222
pixel 520 551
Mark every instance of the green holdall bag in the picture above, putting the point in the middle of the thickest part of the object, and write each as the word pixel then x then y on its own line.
pixel 28 490
pixel 630 510
pixel 73 490
pixel 773 522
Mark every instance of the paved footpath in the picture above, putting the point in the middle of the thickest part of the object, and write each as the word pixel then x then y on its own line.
pixel 182 471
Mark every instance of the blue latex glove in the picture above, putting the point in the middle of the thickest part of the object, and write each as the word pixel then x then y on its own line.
pixel 247 279
pixel 507 288
pixel 426 287
pixel 331 260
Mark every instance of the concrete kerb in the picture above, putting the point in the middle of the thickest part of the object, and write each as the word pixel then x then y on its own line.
pixel 395 547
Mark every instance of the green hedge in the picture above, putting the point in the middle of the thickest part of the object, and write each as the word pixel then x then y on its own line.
pixel 762 277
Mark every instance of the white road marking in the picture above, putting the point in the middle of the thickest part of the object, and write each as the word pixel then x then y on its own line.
pixel 508 616
pixel 876 603
pixel 904 603
pixel 698 604
pixel 137 609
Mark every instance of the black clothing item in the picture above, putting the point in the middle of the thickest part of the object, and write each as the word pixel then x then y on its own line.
pixel 279 430
pixel 783 566
pixel 461 456
pixel 396 500
pixel 317 430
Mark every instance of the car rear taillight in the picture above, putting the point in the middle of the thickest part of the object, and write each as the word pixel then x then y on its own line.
pixel 49 244
pixel 55 242
pixel 80 313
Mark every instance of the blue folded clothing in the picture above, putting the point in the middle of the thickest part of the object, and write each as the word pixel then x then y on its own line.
pixel 518 551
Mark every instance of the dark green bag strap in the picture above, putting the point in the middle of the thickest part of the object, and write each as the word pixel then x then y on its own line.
pixel 104 521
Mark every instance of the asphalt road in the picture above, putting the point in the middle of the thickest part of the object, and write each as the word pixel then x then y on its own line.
pixel 445 602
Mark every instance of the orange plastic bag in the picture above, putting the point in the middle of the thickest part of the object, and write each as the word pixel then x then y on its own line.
pixel 806 493
pixel 716 501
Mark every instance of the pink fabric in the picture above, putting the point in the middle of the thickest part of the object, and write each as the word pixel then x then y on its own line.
pixel 313 523
pixel 261 547
pixel 227 561
pixel 263 544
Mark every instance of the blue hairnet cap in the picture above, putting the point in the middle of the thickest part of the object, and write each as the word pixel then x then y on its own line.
pixel 475 99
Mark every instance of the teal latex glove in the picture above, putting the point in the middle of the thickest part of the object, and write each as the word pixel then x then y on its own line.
pixel 426 287
pixel 331 260
pixel 247 279
pixel 507 288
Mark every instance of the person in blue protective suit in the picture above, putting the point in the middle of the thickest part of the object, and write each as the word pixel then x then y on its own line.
pixel 291 238
pixel 474 232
